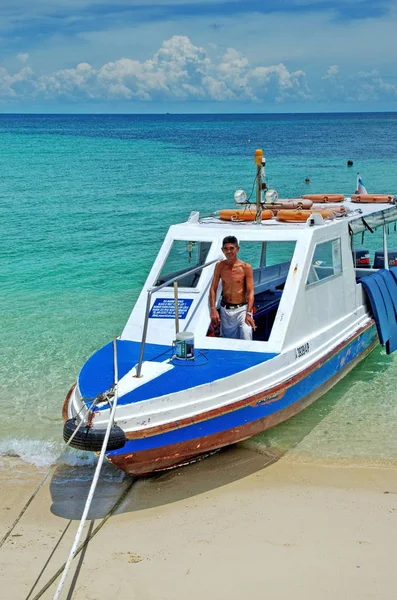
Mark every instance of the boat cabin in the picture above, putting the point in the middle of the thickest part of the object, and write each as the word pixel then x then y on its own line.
pixel 305 277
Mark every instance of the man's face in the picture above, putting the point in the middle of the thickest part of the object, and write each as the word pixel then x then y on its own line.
pixel 230 250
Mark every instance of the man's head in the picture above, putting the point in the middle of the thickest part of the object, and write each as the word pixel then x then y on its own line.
pixel 230 239
pixel 230 246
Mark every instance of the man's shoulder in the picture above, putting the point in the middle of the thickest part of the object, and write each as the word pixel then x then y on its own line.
pixel 221 263
pixel 244 265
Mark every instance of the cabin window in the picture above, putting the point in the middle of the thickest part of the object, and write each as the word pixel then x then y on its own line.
pixel 182 257
pixel 278 253
pixel 251 253
pixel 266 254
pixel 270 261
pixel 326 261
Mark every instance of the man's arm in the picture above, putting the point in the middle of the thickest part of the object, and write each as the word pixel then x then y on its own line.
pixel 249 294
pixel 212 295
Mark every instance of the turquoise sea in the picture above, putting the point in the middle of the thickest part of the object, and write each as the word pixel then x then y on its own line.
pixel 85 202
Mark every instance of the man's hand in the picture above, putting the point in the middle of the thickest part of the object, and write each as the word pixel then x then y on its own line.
pixel 250 321
pixel 215 318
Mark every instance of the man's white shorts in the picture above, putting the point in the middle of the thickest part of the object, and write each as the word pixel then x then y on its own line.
pixel 233 323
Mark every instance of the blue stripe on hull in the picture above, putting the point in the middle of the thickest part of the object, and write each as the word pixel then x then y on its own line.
pixel 249 414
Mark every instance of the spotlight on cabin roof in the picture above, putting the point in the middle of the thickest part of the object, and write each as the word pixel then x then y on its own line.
pixel 240 197
pixel 271 196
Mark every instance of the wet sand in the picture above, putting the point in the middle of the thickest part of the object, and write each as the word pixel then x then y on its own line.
pixel 238 524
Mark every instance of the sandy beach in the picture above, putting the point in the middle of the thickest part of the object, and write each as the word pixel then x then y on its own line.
pixel 238 524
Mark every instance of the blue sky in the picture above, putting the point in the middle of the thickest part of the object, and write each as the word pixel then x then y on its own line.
pixel 180 56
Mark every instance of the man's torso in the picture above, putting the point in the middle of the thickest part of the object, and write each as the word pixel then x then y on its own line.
pixel 233 279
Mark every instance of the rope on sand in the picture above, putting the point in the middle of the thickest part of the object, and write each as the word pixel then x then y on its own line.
pixel 94 481
pixel 83 544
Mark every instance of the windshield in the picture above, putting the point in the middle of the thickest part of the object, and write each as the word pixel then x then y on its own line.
pixel 182 257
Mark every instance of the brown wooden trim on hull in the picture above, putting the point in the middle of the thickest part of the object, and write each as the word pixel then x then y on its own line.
pixel 158 459
pixel 65 406
pixel 265 397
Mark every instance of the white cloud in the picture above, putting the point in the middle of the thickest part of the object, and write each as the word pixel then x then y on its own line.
pixel 371 86
pixel 18 84
pixel 67 82
pixel 282 84
pixel 179 70
pixel 361 87
pixel 182 71
pixel 258 83
pixel 333 70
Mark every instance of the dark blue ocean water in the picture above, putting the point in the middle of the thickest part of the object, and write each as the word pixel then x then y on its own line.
pixel 85 203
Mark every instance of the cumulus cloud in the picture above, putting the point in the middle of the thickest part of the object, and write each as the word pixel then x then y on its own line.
pixel 179 70
pixel 332 71
pixel 78 82
pixel 17 85
pixel 360 87
pixel 371 86
pixel 182 71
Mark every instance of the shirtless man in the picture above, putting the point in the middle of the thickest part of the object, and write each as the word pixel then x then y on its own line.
pixel 237 293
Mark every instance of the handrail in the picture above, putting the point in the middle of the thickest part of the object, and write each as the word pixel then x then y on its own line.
pixel 149 296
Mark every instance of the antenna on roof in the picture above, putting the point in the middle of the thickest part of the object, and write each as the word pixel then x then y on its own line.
pixel 260 162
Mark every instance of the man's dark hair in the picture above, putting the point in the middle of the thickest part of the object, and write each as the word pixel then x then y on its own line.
pixel 230 239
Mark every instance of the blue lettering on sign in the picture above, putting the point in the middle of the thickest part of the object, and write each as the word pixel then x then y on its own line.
pixel 164 308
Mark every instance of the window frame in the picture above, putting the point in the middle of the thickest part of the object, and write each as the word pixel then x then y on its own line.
pixel 311 265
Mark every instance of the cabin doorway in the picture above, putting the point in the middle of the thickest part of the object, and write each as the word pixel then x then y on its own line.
pixel 270 262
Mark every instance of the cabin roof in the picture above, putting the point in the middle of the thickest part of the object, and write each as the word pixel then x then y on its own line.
pixel 359 216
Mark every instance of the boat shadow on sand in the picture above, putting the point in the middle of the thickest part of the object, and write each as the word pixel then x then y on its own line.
pixel 70 484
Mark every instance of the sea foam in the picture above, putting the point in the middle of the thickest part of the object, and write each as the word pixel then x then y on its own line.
pixel 44 454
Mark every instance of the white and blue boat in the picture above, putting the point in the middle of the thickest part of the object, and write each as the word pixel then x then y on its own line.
pixel 171 390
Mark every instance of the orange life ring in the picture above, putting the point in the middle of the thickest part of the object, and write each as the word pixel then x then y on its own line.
pixel 324 197
pixel 369 198
pixel 243 214
pixel 298 216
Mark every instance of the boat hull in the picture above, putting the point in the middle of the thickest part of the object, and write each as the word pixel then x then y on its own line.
pixel 183 444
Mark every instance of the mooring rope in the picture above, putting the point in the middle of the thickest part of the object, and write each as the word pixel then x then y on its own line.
pixel 94 481
pixel 83 544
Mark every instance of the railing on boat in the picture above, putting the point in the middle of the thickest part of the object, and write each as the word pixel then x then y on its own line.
pixel 173 280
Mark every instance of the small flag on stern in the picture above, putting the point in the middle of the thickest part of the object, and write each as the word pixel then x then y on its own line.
pixel 360 186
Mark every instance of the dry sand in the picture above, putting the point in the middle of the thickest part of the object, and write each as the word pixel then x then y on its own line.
pixel 237 525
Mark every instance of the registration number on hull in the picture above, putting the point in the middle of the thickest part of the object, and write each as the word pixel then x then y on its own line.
pixel 302 350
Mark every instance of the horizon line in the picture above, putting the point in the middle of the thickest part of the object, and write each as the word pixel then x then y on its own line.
pixel 183 114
